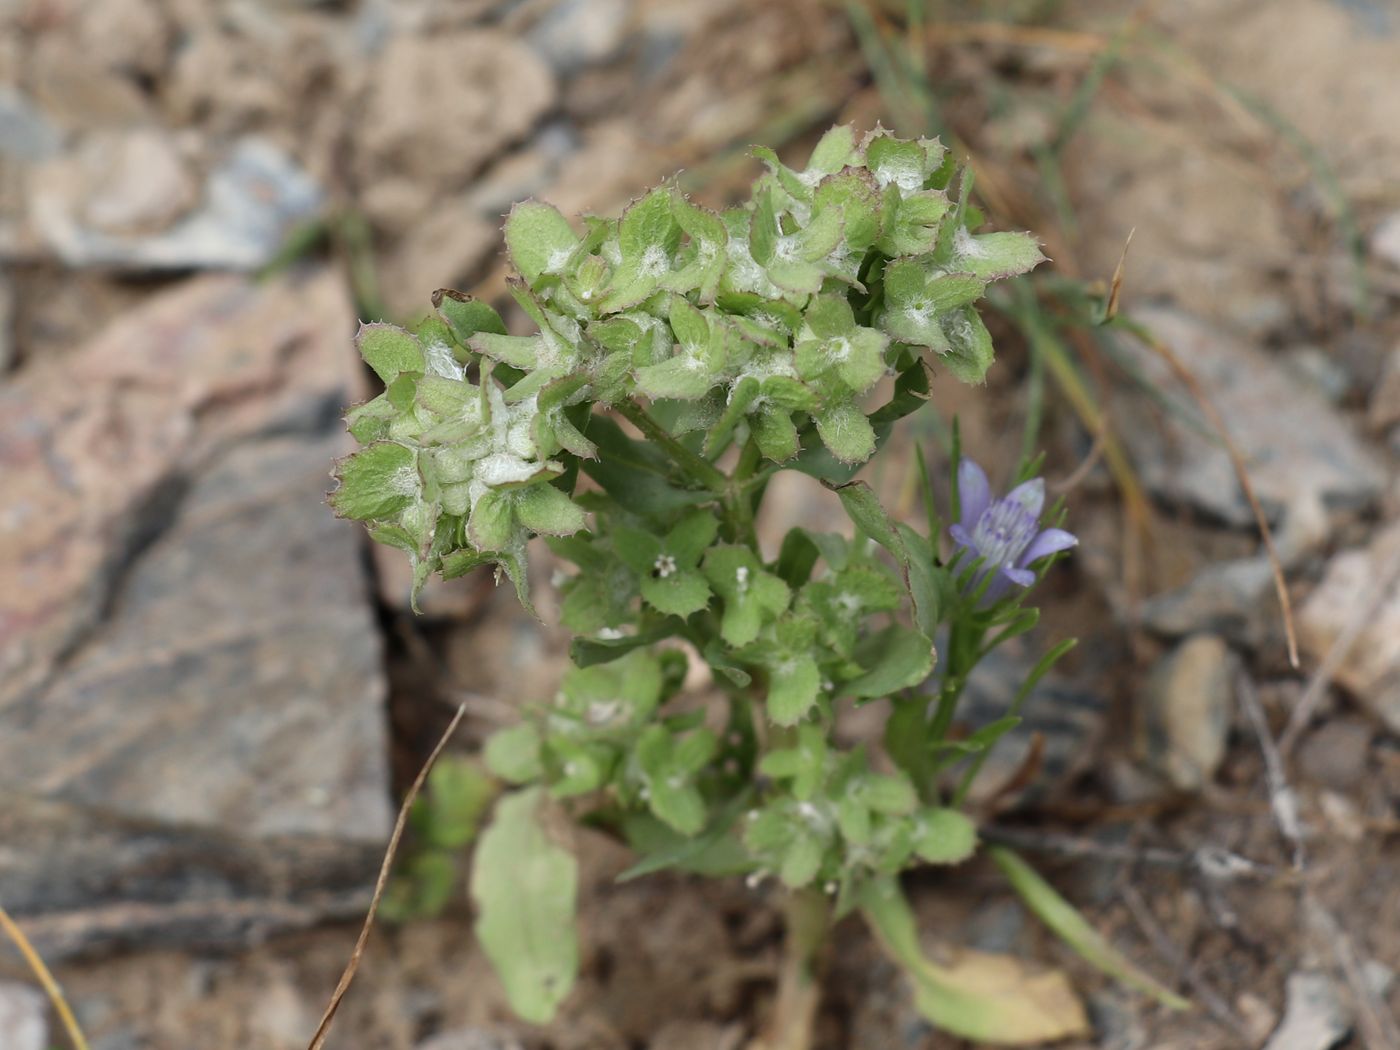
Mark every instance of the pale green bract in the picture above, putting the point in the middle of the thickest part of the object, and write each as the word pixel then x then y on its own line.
pixel 742 323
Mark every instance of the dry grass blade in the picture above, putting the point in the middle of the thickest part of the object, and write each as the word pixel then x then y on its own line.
pixel 46 980
pixel 323 1029
pixel 1115 286
pixel 1217 422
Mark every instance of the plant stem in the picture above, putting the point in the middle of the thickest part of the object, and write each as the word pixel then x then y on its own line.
pixel 794 1017
pixel 703 471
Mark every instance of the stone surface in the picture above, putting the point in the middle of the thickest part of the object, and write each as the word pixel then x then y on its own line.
pixel 248 205
pixel 576 34
pixel 1335 755
pixel 442 250
pixel 186 632
pixel 1059 716
pixel 22 1022
pixel 25 133
pixel 1232 599
pixel 1186 709
pixel 439 107
pixel 236 681
pixel 1314 1017
pixel 185 629
pixel 1371 669
pixel 85 879
pixel 93 467
pixel 7 324
pixel 1385 240
pixel 1303 462
pixel 1384 408
pixel 143 182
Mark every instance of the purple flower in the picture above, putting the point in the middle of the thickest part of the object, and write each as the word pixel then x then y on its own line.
pixel 1005 533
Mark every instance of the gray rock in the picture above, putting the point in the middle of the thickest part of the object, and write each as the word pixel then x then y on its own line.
pixel 7 321
pixel 1370 671
pixel 90 880
pixel 1304 463
pixel 439 107
pixel 576 34
pixel 1314 1016
pixel 25 133
pixel 250 202
pixel 1335 754
pixel 1231 599
pixel 22 1017
pixel 1116 1023
pixel 1385 240
pixel 186 635
pixel 237 682
pixel 1186 711
pixel 1068 720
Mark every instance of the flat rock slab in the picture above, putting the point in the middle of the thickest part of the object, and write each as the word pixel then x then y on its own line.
pixel 89 880
pixel 1304 460
pixel 186 635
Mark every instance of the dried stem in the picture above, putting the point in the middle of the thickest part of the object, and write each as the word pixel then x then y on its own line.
pixel 45 978
pixel 808 914
pixel 323 1029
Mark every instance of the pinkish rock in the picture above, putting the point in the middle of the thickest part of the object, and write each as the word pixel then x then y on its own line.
pixel 185 631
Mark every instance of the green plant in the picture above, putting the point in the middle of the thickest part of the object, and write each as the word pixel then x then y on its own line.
pixel 732 345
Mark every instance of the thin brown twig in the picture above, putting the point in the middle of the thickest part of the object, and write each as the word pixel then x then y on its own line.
pixel 1217 421
pixel 46 980
pixel 323 1029
pixel 1168 949
pixel 1362 618
pixel 1283 802
pixel 1378 1027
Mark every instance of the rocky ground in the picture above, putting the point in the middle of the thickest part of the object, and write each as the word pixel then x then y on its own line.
pixel 211 692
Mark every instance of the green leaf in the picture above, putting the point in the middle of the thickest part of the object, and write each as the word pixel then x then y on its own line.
pixel 585 652
pixel 775 433
pixel 865 510
pixel 996 255
pixel 969 350
pixel 389 350
pixel 944 836
pixel 458 794
pixel 794 681
pixel 681 593
pixel 890 795
pixel 984 1004
pixel 539 239
pixel 802 860
pixel 378 481
pixel 678 805
pixel 525 889
pixel 466 316
pixel 898 658
pixel 544 509
pixel 1074 929
pixel 715 852
pixel 513 754
pixel 491 526
pixel 846 432
pixel 834 150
